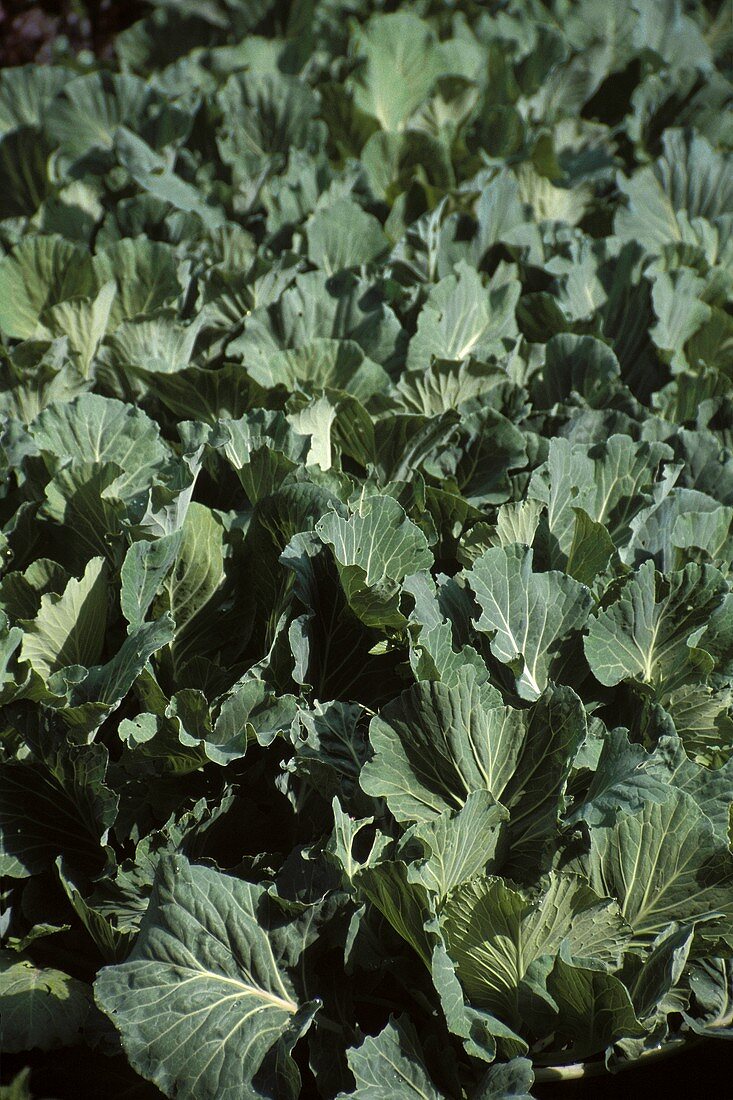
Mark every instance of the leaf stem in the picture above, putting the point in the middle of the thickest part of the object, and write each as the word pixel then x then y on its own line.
pixel 576 1070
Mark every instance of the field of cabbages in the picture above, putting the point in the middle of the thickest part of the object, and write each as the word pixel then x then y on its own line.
pixel 366 542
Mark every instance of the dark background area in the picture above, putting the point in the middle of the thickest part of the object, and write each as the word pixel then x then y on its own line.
pixel 28 30
pixel 705 1072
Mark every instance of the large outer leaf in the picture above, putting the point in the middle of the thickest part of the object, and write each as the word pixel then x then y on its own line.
pixel 26 91
pixel 680 312
pixel 316 306
pixel 39 1007
pixel 647 634
pixel 434 745
pixel 86 116
pixel 712 788
pixel 507 1081
pixel 578 364
pixel 437 745
pixel 684 518
pixel 265 114
pixel 202 1000
pixel 663 864
pixel 331 746
pixel 462 317
pixel 611 482
pixel 402 62
pixel 99 430
pixel 197 569
pixel 408 906
pixel 321 363
pixel 262 447
pixel 150 170
pixel 535 794
pixel 712 983
pixel 689 180
pixel 59 805
pixel 155 344
pixel 595 1009
pixel 480 1031
pixel 459 846
pixel 489 446
pixel 37 274
pixel 625 778
pixel 143 570
pixel 433 653
pixel 391 1061
pixel 69 629
pixel 332 648
pixel 661 971
pixel 527 613
pixel 495 935
pixel 83 322
pixel 374 550
pixel 406 443
pixel 251 712
pixel 145 273
pixel 110 682
pixel 77 500
pixel 591 548
pixel 344 235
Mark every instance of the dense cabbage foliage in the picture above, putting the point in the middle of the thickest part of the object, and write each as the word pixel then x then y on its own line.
pixel 366 628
